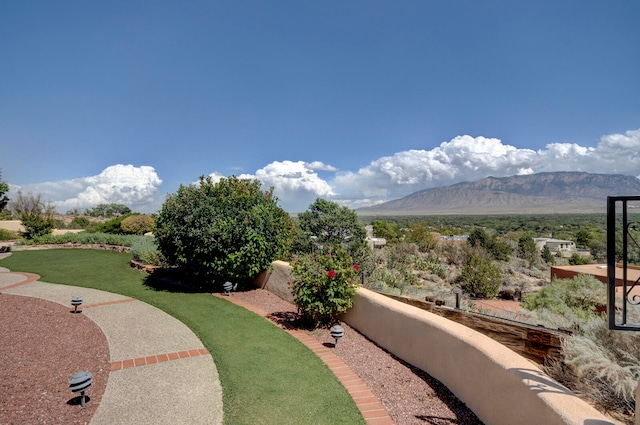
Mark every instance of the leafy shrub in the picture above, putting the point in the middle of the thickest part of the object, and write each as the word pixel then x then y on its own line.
pixel 137 224
pixel 79 223
pixel 398 277
pixel 579 296
pixel 229 229
pixel 7 235
pixel 438 269
pixel 145 250
pixel 83 238
pixel 419 263
pixel 112 226
pixel 324 285
pixel 36 216
pixel 480 278
pixel 577 259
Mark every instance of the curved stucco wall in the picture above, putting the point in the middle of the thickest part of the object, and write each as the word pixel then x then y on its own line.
pixel 500 386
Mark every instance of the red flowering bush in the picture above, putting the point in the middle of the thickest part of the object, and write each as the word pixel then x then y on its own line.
pixel 324 285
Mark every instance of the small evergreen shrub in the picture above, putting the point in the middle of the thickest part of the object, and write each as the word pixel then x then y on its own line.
pixel 480 278
pixel 79 223
pixel 7 235
pixel 145 250
pixel 82 238
pixel 137 224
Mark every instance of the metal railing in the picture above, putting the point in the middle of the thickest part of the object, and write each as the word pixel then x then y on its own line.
pixel 620 243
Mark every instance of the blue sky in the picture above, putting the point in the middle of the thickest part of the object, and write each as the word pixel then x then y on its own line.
pixel 356 101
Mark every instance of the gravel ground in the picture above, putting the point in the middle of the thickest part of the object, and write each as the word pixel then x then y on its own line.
pixel 410 395
pixel 42 345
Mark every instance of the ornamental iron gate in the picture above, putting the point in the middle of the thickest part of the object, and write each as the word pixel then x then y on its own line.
pixel 623 254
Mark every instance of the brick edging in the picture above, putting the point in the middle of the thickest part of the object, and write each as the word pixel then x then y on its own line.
pixel 370 407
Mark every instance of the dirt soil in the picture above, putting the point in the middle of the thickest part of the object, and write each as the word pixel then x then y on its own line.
pixel 42 345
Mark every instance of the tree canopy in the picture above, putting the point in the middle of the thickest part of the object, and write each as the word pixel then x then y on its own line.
pixel 333 225
pixel 108 210
pixel 229 229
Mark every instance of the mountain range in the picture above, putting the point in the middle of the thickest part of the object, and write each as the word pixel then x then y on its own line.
pixel 542 193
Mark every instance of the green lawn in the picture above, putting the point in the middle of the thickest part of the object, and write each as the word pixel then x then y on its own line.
pixel 267 376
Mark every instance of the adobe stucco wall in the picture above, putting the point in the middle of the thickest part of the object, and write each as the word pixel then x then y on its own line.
pixel 13 225
pixel 16 226
pixel 500 386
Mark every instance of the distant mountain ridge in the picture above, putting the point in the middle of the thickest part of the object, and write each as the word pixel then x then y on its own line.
pixel 542 193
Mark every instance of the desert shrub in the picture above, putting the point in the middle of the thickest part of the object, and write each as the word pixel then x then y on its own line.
pixel 438 269
pixel 480 278
pixel 419 263
pixel 112 226
pixel 7 235
pixel 82 238
pixel 145 250
pixel 37 217
pixel 547 256
pixel 79 223
pixel 577 259
pixel 452 254
pixel 527 250
pixel 602 364
pixel 137 224
pixel 398 277
pixel 324 285
pixel 577 297
pixel 419 234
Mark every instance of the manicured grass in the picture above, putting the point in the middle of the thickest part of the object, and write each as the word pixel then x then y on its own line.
pixel 267 376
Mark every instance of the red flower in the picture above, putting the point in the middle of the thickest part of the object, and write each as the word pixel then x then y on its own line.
pixel 331 273
pixel 356 267
pixel 288 283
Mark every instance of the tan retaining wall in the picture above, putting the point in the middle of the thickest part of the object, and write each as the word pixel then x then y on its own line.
pixel 500 386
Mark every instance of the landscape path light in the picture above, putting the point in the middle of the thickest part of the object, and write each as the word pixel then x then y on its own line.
pixel 76 301
pixel 337 332
pixel 80 382
pixel 228 287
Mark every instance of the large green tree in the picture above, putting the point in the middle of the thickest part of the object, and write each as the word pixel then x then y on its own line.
pixel 230 229
pixel 330 224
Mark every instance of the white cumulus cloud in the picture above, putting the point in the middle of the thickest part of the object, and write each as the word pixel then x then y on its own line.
pixel 467 158
pixel 135 187
pixel 296 184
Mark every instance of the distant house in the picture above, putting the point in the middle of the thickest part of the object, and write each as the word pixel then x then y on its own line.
pixel 559 247
pixel 372 241
pixel 452 238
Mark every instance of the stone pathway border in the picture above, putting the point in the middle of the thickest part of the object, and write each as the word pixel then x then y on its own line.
pixel 370 407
